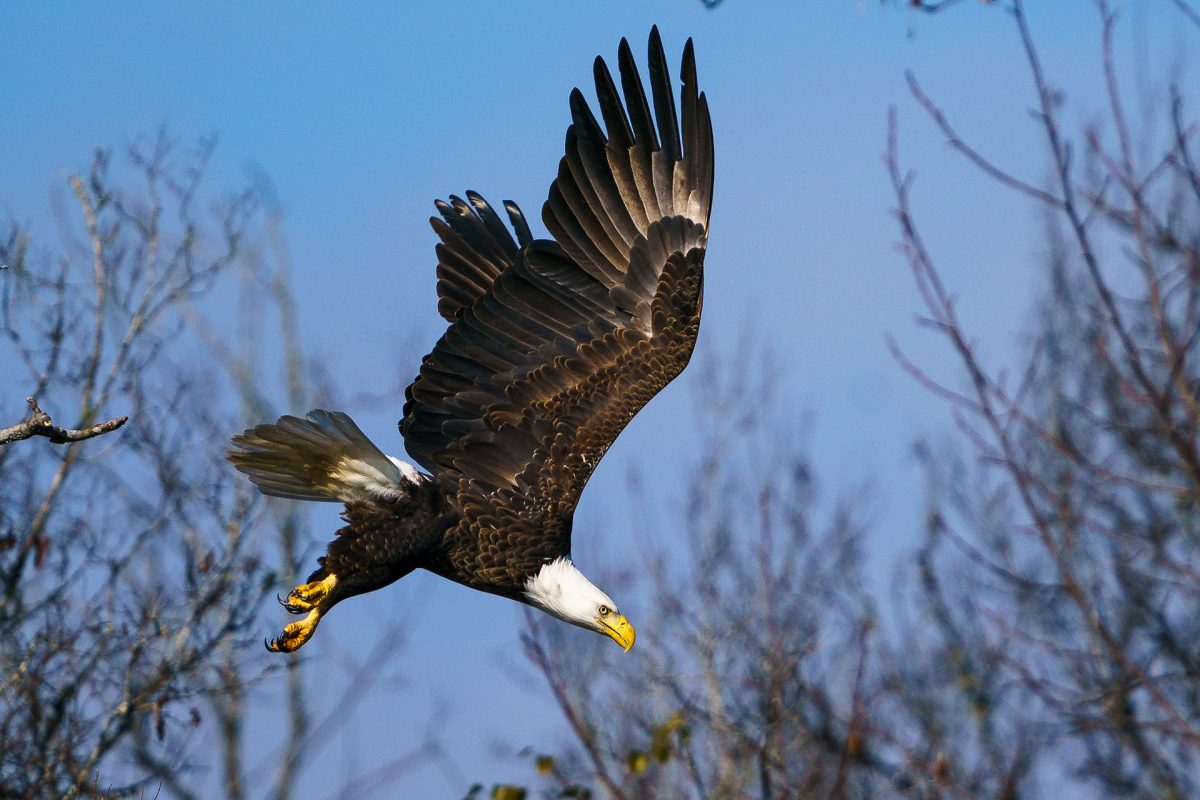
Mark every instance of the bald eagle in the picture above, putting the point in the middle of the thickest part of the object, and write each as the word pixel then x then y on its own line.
pixel 552 347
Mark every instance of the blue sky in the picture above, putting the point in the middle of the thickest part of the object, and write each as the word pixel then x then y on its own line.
pixel 362 115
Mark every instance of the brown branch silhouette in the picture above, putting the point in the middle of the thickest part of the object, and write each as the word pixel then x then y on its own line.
pixel 40 424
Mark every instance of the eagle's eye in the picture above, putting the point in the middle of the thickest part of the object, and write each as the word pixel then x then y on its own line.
pixel 604 611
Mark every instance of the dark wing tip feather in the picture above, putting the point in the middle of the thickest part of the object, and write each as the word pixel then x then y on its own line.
pixel 664 97
pixel 687 76
pixel 635 97
pixel 578 104
pixel 475 248
pixel 491 221
pixel 584 120
pixel 519 223
pixel 616 121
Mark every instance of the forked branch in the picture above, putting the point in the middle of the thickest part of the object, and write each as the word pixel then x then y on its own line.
pixel 40 424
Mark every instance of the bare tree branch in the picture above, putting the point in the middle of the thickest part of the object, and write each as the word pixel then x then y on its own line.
pixel 40 424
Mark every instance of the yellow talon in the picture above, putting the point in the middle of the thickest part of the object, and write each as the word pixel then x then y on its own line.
pixel 296 634
pixel 308 596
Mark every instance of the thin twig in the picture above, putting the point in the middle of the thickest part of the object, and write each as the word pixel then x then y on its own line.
pixel 974 156
pixel 1188 11
pixel 941 307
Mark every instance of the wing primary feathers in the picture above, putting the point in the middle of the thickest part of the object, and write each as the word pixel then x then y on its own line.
pixel 475 248
pixel 585 124
pixel 470 222
pixel 616 122
pixel 569 221
pixel 689 108
pixel 587 156
pixel 519 223
pixel 589 192
pixel 664 98
pixel 688 99
pixel 635 97
pixel 704 158
pixel 575 191
pixel 494 226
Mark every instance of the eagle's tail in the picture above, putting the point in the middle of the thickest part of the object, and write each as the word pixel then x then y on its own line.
pixel 322 457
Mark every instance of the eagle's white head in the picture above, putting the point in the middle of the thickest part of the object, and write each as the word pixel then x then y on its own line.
pixel 561 590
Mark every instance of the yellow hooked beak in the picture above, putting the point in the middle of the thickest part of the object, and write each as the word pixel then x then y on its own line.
pixel 619 629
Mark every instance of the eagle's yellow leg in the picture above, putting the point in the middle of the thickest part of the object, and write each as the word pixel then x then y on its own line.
pixel 308 596
pixel 296 634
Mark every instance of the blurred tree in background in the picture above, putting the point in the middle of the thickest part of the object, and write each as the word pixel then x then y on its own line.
pixel 1046 641
pixel 1072 532
pixel 127 565
pixel 133 563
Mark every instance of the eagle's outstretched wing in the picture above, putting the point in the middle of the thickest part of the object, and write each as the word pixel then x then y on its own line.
pixel 554 346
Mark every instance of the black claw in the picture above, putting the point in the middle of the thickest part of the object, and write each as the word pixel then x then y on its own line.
pixel 289 606
pixel 270 645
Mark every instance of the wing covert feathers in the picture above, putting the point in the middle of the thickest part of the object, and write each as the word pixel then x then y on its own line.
pixel 555 345
pixel 323 457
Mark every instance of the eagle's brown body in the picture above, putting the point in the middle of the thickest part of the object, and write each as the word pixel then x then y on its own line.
pixel 552 347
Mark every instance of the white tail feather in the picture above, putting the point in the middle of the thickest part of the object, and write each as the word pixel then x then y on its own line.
pixel 322 457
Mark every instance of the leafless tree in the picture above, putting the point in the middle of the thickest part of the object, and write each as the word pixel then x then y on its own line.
pixel 123 564
pixel 1074 539
pixel 132 564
